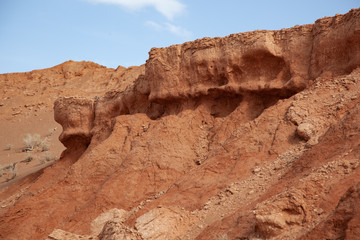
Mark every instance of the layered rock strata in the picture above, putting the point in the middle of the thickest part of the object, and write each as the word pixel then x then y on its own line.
pixel 251 136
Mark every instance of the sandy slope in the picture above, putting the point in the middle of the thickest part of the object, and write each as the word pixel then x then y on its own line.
pixel 26 107
pixel 13 132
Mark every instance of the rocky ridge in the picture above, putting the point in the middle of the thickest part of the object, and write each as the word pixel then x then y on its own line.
pixel 251 136
pixel 24 93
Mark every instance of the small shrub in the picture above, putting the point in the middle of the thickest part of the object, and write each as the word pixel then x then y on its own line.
pixel 47 158
pixel 44 145
pixel 31 141
pixel 8 172
pixel 9 146
pixel 28 158
pixel 3 170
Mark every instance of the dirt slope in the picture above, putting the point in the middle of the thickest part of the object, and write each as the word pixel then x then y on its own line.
pixel 251 136
pixel 26 107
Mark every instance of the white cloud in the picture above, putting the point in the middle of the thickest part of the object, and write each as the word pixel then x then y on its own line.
pixel 177 30
pixel 154 25
pixel 168 8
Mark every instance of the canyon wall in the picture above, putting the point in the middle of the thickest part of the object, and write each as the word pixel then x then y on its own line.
pixel 250 136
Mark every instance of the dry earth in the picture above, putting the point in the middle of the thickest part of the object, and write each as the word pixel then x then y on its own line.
pixel 252 136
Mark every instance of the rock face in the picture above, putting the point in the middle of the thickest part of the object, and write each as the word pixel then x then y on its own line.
pixel 251 136
pixel 76 116
pixel 269 61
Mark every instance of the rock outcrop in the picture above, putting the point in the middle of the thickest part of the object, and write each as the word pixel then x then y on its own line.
pixel 42 87
pixel 76 116
pixel 251 136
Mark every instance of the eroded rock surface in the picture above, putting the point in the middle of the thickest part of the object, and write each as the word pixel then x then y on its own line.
pixel 76 116
pixel 251 136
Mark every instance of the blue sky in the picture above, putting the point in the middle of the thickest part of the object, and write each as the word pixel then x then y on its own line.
pixel 36 34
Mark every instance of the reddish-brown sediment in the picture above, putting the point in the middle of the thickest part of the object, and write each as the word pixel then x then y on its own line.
pixel 254 135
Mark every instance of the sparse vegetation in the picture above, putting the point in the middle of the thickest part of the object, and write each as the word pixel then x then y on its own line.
pixel 9 147
pixel 34 141
pixel 31 141
pixel 44 145
pixel 47 158
pixel 8 172
pixel 29 158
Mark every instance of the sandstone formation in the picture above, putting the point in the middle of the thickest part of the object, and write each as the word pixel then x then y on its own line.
pixel 250 136
pixel 38 89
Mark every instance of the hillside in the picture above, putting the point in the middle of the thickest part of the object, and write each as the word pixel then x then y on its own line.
pixel 250 136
